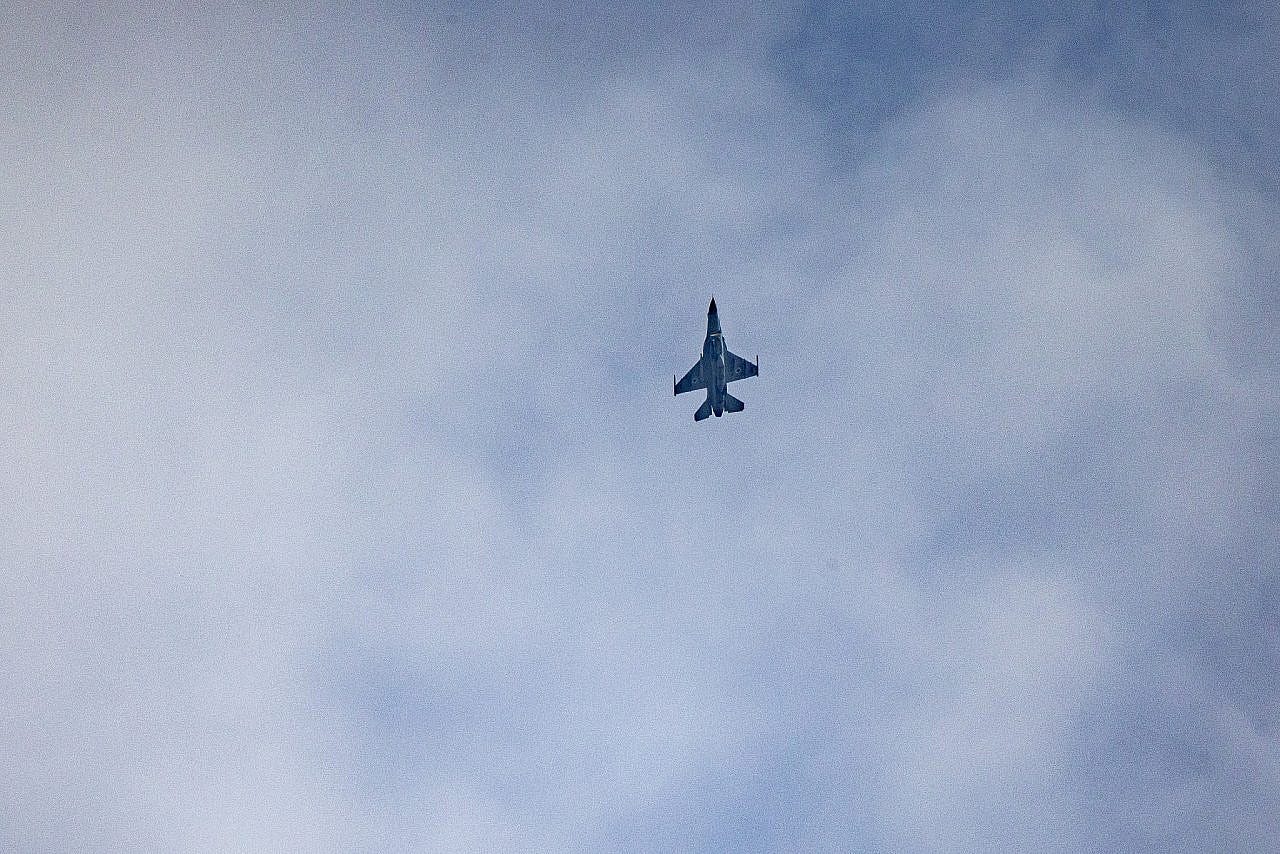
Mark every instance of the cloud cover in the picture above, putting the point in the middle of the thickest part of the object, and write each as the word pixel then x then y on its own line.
pixel 351 512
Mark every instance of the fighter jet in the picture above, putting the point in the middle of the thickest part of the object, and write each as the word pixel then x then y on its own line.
pixel 715 370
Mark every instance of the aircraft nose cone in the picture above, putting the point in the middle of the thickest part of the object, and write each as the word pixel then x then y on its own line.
pixel 712 308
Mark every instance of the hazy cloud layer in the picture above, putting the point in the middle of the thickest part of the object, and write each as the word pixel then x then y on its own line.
pixel 351 510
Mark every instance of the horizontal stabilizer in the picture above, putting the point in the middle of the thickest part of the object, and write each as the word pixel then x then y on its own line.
pixel 704 411
pixel 732 404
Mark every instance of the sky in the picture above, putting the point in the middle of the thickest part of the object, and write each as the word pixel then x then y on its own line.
pixel 348 508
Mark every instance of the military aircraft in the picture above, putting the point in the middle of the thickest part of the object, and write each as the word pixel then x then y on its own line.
pixel 715 370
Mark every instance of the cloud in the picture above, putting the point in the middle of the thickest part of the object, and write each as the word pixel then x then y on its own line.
pixel 353 513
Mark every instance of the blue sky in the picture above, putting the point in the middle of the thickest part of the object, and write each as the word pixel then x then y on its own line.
pixel 351 510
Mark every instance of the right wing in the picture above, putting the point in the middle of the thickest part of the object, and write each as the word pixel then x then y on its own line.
pixel 737 368
pixel 693 380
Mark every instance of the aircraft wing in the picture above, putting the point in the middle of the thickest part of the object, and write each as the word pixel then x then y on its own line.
pixel 738 368
pixel 693 380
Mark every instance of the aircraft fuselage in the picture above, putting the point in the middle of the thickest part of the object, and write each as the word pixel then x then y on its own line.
pixel 713 364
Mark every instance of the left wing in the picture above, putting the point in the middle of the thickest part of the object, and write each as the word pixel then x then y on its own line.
pixel 693 380
pixel 738 368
